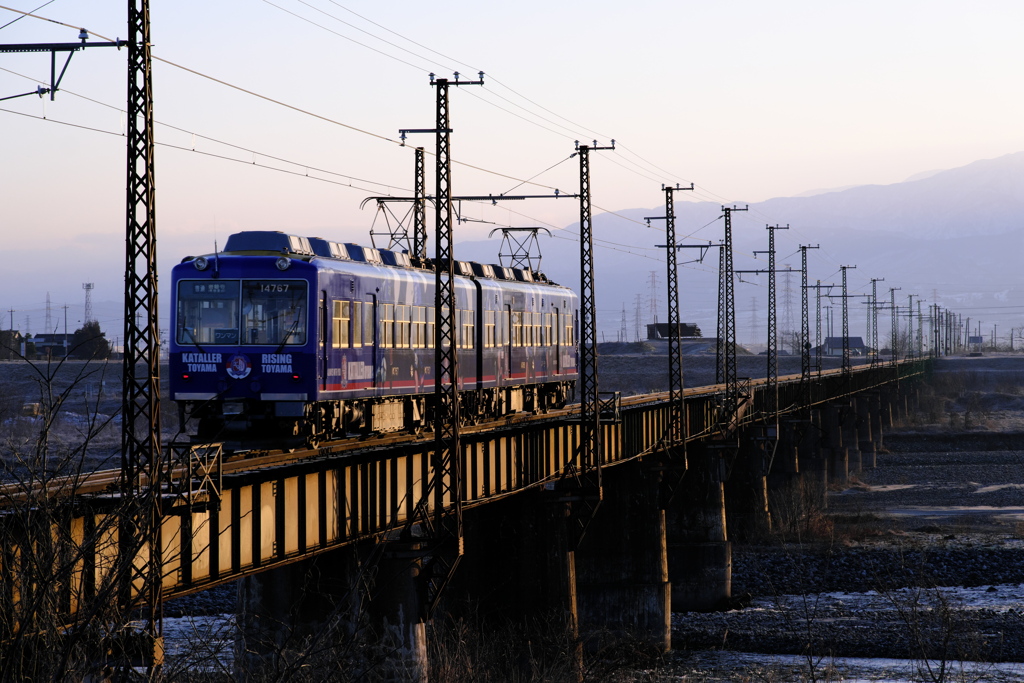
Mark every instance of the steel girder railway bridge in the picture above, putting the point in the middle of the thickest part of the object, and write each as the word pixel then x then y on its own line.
pixel 227 519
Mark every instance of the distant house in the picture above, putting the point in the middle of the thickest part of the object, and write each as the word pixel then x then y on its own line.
pixel 662 330
pixel 52 345
pixel 833 346
pixel 10 344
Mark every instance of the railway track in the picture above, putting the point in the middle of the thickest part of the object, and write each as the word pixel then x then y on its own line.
pixel 107 482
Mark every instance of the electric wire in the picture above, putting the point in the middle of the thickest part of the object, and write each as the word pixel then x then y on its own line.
pixel 19 18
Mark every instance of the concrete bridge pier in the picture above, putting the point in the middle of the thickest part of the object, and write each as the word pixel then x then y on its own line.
pixel 623 589
pixel 518 578
pixel 785 482
pixel 865 431
pixel 309 613
pixel 813 460
pixel 849 427
pixel 699 552
pixel 746 489
pixel 885 408
pixel 837 453
pixel 785 463
pixel 876 414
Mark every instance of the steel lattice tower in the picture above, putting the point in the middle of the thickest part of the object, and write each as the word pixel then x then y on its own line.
pixel 676 429
pixel 590 431
pixel 141 462
pixel 805 332
pixel 447 465
pixel 846 327
pixel 728 319
pixel 817 333
pixel 87 316
pixel 419 212
pixel 873 319
pixel 772 376
pixel 895 325
pixel 720 331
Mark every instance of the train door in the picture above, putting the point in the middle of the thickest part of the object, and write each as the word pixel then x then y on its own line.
pixel 555 339
pixel 507 338
pixel 324 344
pixel 370 335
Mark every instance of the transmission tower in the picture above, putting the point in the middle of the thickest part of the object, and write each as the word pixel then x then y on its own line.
pixel 753 322
pixel 48 327
pixel 88 287
pixel 637 315
pixel 787 326
pixel 623 331
pixel 654 300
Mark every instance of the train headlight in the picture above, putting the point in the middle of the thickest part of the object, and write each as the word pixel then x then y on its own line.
pixel 283 263
pixel 201 263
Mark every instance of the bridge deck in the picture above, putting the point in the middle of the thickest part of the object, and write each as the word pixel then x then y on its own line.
pixel 274 509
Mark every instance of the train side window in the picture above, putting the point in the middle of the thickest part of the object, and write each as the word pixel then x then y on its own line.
pixel 468 330
pixel 517 328
pixel 401 326
pixel 536 329
pixel 489 329
pixel 368 324
pixel 342 317
pixel 357 323
pixel 567 327
pixel 547 329
pixel 430 326
pixel 387 326
pixel 418 326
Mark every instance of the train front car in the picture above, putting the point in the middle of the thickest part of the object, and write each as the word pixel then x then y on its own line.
pixel 243 346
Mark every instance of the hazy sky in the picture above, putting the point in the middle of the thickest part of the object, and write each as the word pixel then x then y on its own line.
pixel 749 100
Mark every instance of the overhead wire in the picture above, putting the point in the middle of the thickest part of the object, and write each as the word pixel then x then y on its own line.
pixel 19 18
pixel 386 138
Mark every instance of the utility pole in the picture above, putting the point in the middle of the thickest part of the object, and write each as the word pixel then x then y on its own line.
pixel 677 420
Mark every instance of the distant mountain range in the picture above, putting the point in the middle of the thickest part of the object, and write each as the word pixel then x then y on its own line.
pixel 951 236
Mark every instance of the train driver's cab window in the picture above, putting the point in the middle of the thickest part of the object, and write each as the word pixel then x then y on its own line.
pixel 274 312
pixel 207 312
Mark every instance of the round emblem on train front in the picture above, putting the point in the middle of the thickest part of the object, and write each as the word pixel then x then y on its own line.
pixel 239 366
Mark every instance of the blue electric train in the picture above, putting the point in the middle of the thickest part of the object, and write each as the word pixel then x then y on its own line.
pixel 287 336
